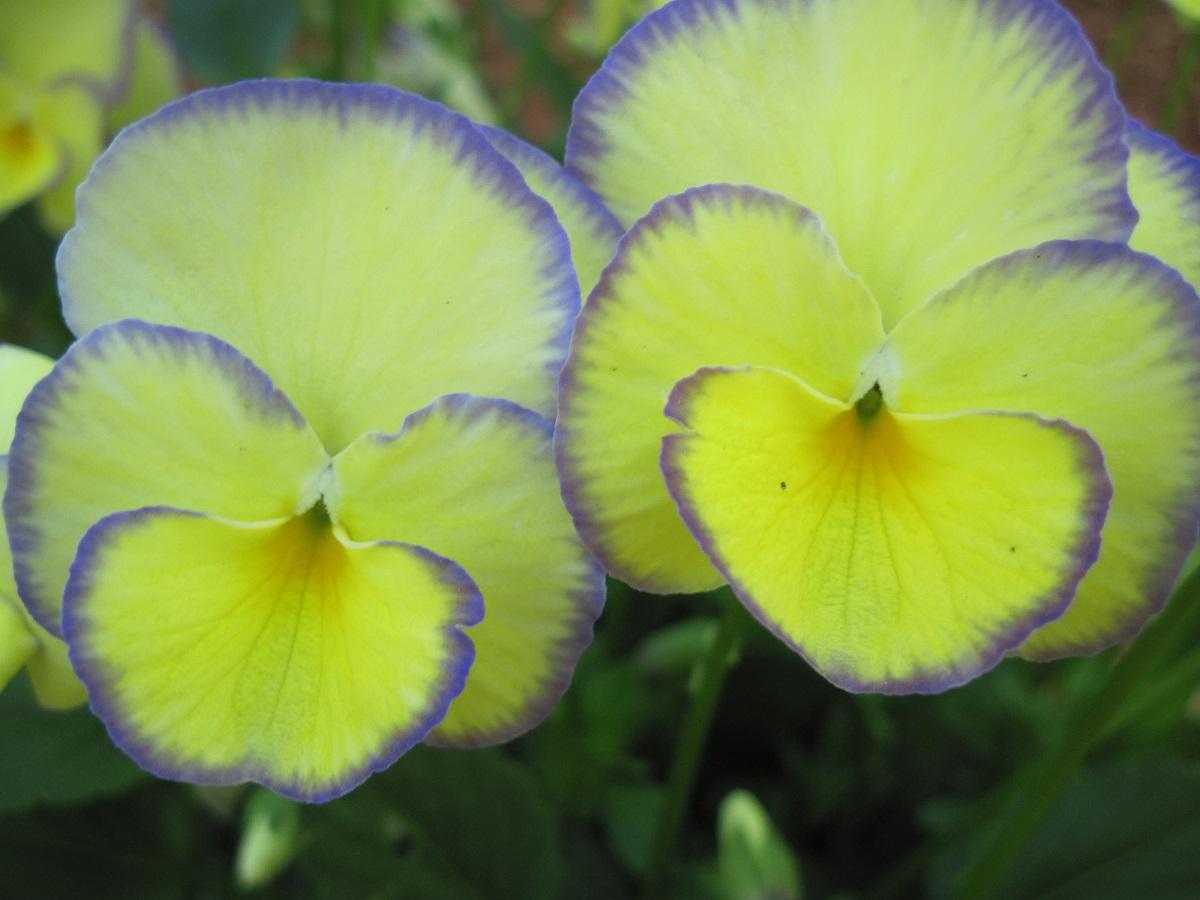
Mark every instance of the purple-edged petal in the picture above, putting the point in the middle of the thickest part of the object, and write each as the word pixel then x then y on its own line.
pixel 367 247
pixel 138 415
pixel 1164 183
pixel 1108 339
pixel 930 135
pixel 719 275
pixel 593 230
pixel 897 553
pixel 283 654
pixel 473 479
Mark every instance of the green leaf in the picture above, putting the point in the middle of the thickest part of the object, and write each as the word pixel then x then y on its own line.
pixel 55 758
pixel 227 40
pixel 754 861
pixel 1121 830
pixel 458 823
pixel 632 818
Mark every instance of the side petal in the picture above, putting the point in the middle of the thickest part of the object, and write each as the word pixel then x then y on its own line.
pixel 139 414
pixel 72 115
pixel 1164 183
pixel 718 275
pixel 20 370
pixel 365 246
pixel 897 554
pixel 930 135
pixel 218 653
pixel 1109 340
pixel 90 40
pixel 592 229
pixel 474 480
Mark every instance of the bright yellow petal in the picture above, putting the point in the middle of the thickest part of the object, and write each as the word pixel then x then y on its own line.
pixel 30 159
pixel 366 247
pixel 1110 341
pixel 71 114
pixel 20 370
pixel 1164 183
pixel 897 553
pixel 593 230
pixel 156 78
pixel 717 276
pixel 930 135
pixel 17 642
pixel 136 415
pixel 220 653
pixel 43 41
pixel 473 479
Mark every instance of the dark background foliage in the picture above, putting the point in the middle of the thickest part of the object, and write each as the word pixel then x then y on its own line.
pixel 1078 779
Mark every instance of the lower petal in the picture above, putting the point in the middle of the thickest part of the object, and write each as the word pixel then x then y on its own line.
pixel 218 653
pixel 896 553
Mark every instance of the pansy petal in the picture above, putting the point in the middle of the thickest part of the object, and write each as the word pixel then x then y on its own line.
pixel 366 247
pixel 44 41
pixel 30 159
pixel 139 414
pixel 219 653
pixel 1164 183
pixel 592 229
pixel 897 553
pixel 930 135
pixel 20 370
pixel 718 275
pixel 71 114
pixel 156 79
pixel 17 642
pixel 45 657
pixel 1109 340
pixel 473 479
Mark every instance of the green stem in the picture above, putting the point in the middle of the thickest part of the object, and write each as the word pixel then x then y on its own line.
pixel 1047 779
pixel 1123 36
pixel 1180 91
pixel 713 667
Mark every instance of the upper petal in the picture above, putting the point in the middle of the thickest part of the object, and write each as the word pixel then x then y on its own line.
pixel 929 135
pixel 898 554
pixel 593 230
pixel 1109 340
pixel 718 275
pixel 366 247
pixel 139 414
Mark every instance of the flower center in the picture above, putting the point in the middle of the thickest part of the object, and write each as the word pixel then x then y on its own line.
pixel 869 404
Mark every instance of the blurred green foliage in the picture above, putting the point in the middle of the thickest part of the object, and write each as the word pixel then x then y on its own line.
pixel 803 790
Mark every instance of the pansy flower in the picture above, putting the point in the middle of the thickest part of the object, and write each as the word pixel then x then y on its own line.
pixel 23 642
pixel 71 72
pixel 876 351
pixel 291 497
